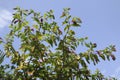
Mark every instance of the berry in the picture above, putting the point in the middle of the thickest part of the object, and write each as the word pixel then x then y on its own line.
pixel 94 45
pixel 113 57
pixel 32 29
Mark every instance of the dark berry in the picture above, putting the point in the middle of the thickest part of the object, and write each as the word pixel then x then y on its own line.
pixel 41 20
pixel 94 45
pixel 32 29
pixel 113 57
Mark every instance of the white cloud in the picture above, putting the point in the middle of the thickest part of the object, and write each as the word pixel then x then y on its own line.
pixel 5 17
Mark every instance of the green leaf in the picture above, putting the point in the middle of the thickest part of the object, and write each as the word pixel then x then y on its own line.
pixel 87 45
pixel 75 24
pixel 96 58
pixel 50 42
pixel 92 58
pixel 76 19
pixel 66 27
pixel 83 63
pixel 108 57
pixel 73 47
pixel 37 20
pixel 87 58
pixel 17 16
pixel 102 56
pixel 65 22
pixel 36 27
pixel 71 32
pixel 1 41
pixel 2 55
pixel 16 8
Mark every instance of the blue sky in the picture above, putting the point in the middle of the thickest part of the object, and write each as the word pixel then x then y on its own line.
pixel 101 22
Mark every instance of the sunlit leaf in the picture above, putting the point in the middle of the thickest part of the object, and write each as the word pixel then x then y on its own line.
pixel 102 56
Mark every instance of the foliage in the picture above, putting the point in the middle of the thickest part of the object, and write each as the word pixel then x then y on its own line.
pixel 1 56
pixel 47 51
